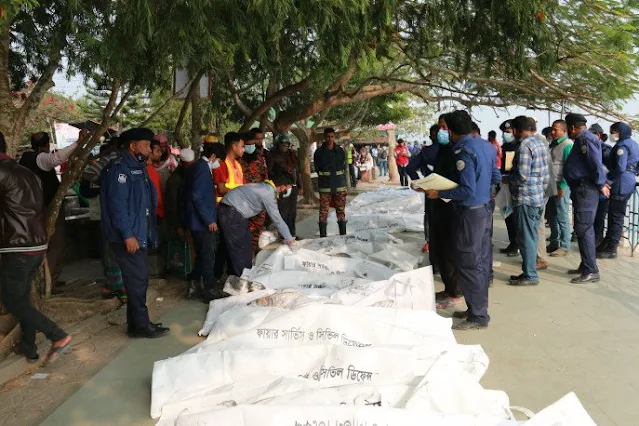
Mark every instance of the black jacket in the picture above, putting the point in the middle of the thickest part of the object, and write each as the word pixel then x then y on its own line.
pixel 22 217
pixel 330 165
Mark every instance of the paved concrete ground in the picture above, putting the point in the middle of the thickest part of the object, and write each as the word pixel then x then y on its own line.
pixel 543 342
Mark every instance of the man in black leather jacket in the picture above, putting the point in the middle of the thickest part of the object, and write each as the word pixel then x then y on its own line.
pixel 23 244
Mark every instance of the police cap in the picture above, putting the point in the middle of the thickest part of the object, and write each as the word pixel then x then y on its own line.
pixel 596 129
pixel 137 134
pixel 573 119
pixel 506 125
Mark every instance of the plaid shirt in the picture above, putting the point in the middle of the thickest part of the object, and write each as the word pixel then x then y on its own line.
pixel 530 175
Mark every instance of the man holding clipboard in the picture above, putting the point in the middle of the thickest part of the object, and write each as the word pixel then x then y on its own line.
pixel 476 171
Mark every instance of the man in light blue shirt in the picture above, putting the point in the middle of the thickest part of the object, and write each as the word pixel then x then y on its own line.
pixel 242 203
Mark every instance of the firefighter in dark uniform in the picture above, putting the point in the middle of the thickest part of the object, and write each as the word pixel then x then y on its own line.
pixel 585 174
pixel 476 171
pixel 622 172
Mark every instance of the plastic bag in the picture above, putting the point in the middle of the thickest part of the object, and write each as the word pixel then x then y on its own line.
pixel 178 258
pixel 504 202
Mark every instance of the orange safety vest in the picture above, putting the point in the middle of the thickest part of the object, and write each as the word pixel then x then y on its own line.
pixel 236 175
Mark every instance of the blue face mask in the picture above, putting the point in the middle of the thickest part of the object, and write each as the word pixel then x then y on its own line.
pixel 249 149
pixel 443 137
pixel 508 137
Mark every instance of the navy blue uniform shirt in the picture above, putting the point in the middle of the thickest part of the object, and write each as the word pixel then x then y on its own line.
pixel 622 164
pixel 475 162
pixel 584 161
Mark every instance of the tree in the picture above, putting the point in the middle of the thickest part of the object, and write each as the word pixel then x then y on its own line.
pixel 536 54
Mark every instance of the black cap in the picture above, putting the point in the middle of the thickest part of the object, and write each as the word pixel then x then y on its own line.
pixel 137 134
pixel 596 129
pixel 508 124
pixel 574 118
pixel 282 179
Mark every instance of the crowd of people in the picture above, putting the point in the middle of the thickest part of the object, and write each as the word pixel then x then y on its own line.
pixel 533 175
pixel 219 200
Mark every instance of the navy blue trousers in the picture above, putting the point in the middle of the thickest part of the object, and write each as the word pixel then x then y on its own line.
pixel 205 243
pixel 443 249
pixel 472 239
pixel 237 238
pixel 600 219
pixel 135 275
pixel 616 214
pixel 585 199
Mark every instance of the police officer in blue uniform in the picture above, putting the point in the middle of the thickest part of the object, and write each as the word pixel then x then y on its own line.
pixel 585 174
pixel 602 207
pixel 622 172
pixel 476 172
pixel 128 201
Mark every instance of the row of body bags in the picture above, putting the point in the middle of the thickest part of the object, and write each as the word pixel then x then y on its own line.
pixel 338 331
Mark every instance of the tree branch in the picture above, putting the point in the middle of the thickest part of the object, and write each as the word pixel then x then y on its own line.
pixel 122 102
pixel 236 97
pixel 43 84
pixel 271 101
pixel 339 84
pixel 166 102
pixel 177 133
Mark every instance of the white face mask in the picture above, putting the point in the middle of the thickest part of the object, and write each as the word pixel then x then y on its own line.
pixel 214 165
pixel 287 193
pixel 614 138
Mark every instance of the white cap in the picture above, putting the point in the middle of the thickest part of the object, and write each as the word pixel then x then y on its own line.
pixel 187 155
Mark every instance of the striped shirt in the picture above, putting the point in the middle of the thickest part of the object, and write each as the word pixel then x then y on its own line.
pixel 530 175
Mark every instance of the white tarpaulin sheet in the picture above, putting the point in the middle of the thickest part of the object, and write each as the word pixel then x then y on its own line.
pixel 337 331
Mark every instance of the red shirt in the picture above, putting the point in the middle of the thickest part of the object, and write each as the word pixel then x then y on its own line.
pixel 401 156
pixel 155 178
pixel 221 174
pixel 498 148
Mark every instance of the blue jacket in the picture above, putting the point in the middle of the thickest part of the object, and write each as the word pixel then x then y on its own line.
pixel 200 209
pixel 421 161
pixel 585 160
pixel 622 164
pixel 476 172
pixel 128 201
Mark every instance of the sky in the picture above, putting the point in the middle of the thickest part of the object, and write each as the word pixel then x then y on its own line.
pixel 487 118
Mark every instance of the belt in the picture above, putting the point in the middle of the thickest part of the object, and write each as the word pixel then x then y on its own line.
pixel 460 207
pixel 578 182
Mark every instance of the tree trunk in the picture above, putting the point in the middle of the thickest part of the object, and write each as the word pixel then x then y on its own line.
pixel 304 137
pixel 393 174
pixel 79 157
pixel 177 133
pixel 196 122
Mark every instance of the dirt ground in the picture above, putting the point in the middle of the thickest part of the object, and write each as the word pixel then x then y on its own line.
pixel 28 399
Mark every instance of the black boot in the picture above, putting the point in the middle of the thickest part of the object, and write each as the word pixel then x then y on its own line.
pixel 322 227
pixel 342 227
pixel 602 247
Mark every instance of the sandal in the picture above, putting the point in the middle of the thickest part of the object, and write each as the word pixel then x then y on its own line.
pixel 449 302
pixel 56 352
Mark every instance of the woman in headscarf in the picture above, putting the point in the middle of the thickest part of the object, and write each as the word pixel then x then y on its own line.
pixel 622 173
pixel 283 161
